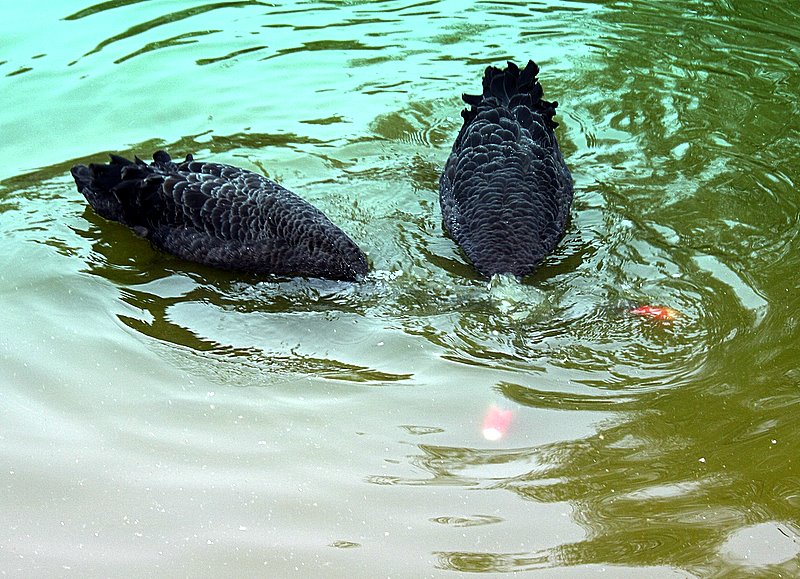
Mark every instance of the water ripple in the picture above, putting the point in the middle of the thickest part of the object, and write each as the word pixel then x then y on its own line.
pixel 169 19
pixel 661 449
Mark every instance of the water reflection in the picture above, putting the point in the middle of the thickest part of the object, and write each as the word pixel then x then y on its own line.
pixel 683 466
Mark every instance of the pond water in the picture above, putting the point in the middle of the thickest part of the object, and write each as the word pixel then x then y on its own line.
pixel 164 419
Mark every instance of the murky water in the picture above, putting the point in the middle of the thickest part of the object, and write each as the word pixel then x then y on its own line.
pixel 164 419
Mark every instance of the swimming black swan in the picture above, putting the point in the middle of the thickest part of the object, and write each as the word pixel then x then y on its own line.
pixel 221 216
pixel 505 190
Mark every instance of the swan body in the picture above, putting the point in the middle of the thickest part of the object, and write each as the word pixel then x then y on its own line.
pixel 221 216
pixel 506 191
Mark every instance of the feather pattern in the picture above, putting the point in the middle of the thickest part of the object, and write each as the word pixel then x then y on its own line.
pixel 506 191
pixel 221 216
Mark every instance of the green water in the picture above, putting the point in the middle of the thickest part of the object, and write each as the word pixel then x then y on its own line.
pixel 163 419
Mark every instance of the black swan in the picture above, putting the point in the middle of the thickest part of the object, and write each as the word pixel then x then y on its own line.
pixel 221 216
pixel 505 190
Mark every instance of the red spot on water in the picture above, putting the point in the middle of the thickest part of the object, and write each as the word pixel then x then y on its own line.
pixel 662 313
pixel 496 422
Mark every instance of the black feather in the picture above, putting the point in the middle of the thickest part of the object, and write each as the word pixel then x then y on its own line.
pixel 505 190
pixel 221 216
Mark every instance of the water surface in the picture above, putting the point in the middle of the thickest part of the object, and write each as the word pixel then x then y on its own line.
pixel 164 419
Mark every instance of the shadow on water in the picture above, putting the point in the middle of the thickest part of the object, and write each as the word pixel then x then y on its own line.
pixel 194 307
